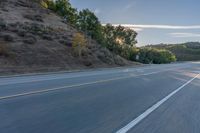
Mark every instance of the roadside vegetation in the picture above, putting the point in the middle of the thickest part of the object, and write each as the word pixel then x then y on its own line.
pixel 120 40
pixel 156 56
pixel 189 51
pixel 79 43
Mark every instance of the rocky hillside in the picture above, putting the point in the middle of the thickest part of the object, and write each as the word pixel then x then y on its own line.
pixel 35 39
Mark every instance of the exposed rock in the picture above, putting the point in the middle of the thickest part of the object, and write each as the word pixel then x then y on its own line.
pixel 119 60
pixel 7 37
pixel 21 33
pixel 104 58
pixel 30 39
pixel 87 63
pixel 34 17
pixel 5 10
pixel 63 42
pixel 47 37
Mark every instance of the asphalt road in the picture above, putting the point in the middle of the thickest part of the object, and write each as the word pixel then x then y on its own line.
pixel 151 99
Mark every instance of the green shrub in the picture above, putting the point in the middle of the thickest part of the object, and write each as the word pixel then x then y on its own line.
pixel 155 56
pixel 79 43
pixel 44 3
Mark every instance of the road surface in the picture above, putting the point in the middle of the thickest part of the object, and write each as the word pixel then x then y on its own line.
pixel 151 99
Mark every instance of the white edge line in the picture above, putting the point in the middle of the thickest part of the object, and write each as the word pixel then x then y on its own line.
pixel 77 85
pixel 133 123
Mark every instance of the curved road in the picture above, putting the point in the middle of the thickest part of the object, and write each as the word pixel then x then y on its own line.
pixel 151 99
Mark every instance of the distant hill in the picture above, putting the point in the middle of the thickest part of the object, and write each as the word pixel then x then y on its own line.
pixel 189 51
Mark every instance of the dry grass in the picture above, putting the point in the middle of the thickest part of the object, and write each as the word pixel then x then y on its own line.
pixel 3 49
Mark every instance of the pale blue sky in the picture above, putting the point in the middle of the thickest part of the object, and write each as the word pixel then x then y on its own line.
pixel 157 21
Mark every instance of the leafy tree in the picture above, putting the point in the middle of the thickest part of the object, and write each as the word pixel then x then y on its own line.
pixel 120 40
pixel 65 9
pixel 109 36
pixel 90 24
pixel 130 37
pixel 126 35
pixel 51 5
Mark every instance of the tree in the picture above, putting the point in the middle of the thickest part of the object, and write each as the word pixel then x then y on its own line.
pixel 127 36
pixel 65 9
pixel 108 35
pixel 51 5
pixel 130 37
pixel 89 23
pixel 120 40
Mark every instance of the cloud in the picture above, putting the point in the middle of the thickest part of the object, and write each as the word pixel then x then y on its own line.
pixel 172 27
pixel 137 27
pixel 160 26
pixel 134 28
pixel 180 35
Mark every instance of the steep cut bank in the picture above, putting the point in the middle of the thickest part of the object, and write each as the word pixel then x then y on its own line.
pixel 34 39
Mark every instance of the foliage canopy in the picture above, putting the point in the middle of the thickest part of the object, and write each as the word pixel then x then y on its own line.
pixel 118 39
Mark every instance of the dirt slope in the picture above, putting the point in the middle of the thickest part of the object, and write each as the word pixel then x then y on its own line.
pixel 35 39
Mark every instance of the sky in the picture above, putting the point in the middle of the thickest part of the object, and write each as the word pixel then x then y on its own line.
pixel 156 21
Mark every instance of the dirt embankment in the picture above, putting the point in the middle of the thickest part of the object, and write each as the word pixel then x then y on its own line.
pixel 34 39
